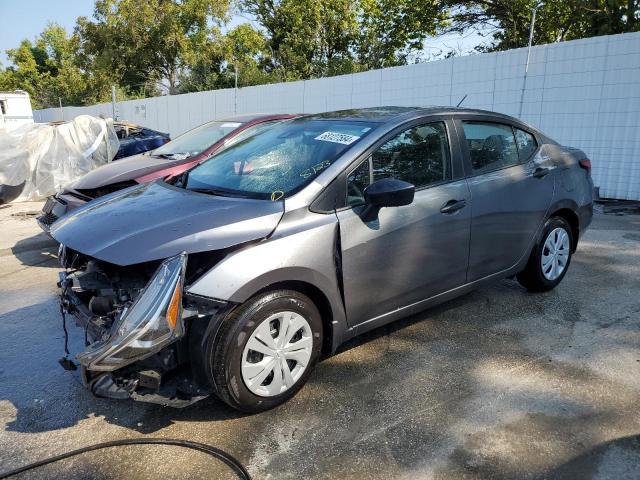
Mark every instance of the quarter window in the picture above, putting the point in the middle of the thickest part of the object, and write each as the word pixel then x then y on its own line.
pixel 526 144
pixel 491 146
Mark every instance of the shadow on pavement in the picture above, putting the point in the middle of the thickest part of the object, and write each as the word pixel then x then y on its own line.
pixel 615 459
pixel 47 398
pixel 39 250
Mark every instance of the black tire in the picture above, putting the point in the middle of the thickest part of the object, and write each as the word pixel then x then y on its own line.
pixel 532 277
pixel 224 353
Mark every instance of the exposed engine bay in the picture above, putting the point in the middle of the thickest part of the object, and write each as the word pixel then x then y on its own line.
pixel 136 337
pixel 102 291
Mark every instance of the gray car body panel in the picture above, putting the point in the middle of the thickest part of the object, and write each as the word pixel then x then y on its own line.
pixel 328 251
pixel 156 220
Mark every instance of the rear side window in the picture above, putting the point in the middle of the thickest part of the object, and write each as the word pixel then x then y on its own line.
pixel 526 144
pixel 491 146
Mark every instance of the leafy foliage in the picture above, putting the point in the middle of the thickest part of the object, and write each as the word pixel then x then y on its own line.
pixel 556 20
pixel 176 46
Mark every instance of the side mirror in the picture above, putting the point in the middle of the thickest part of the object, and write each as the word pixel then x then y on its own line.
pixel 386 192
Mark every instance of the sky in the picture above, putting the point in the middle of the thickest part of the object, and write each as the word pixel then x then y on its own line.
pixel 27 18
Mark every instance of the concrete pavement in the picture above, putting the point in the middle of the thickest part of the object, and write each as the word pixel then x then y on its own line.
pixel 497 384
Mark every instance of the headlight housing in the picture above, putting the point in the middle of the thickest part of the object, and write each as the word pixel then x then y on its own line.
pixel 152 322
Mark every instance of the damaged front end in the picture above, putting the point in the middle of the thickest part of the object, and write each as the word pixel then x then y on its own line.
pixel 135 327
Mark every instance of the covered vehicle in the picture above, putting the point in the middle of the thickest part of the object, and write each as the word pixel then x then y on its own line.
pixel 236 277
pixel 36 160
pixel 133 138
pixel 172 158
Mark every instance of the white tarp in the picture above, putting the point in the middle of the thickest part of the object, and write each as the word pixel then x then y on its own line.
pixel 47 157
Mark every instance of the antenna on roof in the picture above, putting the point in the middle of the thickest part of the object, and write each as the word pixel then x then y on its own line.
pixel 463 99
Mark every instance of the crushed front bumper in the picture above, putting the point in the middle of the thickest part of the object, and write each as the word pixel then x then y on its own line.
pixel 164 378
pixel 163 373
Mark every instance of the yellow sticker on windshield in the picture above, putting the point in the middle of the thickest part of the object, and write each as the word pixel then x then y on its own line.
pixel 276 195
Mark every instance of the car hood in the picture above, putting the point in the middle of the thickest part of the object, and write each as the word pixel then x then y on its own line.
pixel 157 220
pixel 125 169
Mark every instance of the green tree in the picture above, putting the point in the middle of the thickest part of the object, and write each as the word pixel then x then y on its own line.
pixel 508 21
pixel 243 48
pixel 48 69
pixel 392 30
pixel 151 42
pixel 307 38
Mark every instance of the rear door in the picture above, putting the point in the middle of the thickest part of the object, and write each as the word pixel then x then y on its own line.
pixel 511 193
pixel 412 252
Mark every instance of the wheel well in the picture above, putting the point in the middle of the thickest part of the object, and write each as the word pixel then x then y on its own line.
pixel 571 218
pixel 321 302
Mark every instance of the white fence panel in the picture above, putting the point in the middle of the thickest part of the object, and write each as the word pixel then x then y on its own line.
pixel 584 93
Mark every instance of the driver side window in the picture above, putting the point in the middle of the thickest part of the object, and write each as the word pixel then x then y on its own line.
pixel 418 155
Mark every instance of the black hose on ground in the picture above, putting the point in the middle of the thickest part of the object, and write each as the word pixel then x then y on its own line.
pixel 221 455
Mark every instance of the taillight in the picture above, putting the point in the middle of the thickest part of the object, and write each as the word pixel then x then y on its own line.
pixel 586 164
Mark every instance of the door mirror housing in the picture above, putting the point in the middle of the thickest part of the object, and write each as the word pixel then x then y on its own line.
pixel 386 192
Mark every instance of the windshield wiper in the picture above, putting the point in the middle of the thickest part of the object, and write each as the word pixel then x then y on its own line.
pixel 217 191
pixel 171 156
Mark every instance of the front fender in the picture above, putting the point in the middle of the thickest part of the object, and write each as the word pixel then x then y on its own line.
pixel 301 251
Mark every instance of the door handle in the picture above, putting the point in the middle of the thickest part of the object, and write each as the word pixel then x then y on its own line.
pixel 452 206
pixel 540 172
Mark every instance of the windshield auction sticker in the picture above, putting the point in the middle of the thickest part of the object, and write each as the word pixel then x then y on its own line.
pixel 334 137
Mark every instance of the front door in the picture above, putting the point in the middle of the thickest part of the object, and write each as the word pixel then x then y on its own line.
pixel 511 195
pixel 412 252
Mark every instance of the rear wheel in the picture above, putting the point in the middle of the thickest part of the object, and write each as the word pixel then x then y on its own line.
pixel 265 350
pixel 549 259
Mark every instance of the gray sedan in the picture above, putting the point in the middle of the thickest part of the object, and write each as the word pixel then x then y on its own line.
pixel 235 278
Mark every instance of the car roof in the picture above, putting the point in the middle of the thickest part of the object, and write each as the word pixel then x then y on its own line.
pixel 253 117
pixel 389 114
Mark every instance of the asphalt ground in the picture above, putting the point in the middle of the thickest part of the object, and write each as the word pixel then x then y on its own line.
pixel 498 384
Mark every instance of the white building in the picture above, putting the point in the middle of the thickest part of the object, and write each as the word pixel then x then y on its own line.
pixel 15 109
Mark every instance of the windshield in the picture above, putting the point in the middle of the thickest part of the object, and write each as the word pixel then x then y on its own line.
pixel 197 140
pixel 279 161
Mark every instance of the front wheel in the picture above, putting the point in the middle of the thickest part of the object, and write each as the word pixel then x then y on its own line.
pixel 549 259
pixel 265 350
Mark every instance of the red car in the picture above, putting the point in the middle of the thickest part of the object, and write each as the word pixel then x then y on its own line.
pixel 170 159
